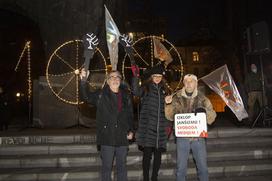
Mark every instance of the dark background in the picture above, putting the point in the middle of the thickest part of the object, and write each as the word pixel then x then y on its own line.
pixel 47 24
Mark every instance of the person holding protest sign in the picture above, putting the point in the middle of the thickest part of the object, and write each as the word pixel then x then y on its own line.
pixel 151 135
pixel 190 100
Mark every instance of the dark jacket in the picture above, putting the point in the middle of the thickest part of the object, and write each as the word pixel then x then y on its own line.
pixel 112 125
pixel 253 82
pixel 152 122
pixel 183 104
pixel 5 112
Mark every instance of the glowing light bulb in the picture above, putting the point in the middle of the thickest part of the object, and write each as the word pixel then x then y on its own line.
pixel 76 71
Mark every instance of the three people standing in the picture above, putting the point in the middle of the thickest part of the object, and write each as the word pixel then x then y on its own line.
pixel 114 121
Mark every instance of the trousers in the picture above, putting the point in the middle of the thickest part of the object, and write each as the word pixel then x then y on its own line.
pixel 107 154
pixel 147 155
pixel 198 147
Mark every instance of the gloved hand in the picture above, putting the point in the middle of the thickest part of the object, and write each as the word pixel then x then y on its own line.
pixel 135 70
pixel 199 110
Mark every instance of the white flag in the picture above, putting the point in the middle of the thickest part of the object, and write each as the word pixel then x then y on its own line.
pixel 112 34
pixel 223 84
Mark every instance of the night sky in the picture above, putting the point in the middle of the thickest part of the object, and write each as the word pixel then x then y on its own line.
pixel 186 17
pixel 226 20
pixel 183 20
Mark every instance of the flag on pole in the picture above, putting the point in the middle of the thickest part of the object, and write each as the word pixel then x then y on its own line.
pixel 223 84
pixel 160 52
pixel 112 35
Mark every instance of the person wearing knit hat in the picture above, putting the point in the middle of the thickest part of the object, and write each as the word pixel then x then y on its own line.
pixel 157 69
pixel 151 135
pixel 190 100
pixel 189 77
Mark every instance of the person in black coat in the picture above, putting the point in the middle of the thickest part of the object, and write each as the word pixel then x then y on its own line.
pixel 151 135
pixel 114 123
pixel 5 113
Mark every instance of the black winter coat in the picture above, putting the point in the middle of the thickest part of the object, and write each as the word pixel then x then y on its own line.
pixel 152 123
pixel 5 109
pixel 112 126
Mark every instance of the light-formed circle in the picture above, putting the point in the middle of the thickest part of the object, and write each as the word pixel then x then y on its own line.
pixel 144 58
pixel 63 71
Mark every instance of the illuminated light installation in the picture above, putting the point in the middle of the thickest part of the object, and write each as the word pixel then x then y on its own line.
pixel 26 48
pixel 63 71
pixel 145 62
pixel 18 94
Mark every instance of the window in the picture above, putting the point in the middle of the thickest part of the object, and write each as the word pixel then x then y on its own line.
pixel 195 57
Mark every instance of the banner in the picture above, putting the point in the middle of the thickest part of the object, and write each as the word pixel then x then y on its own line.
pixel 112 34
pixel 222 83
pixel 191 125
pixel 160 52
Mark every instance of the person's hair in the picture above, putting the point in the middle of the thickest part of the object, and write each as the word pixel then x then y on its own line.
pixel 113 71
pixel 149 81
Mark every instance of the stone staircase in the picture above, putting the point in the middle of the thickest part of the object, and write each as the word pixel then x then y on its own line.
pixel 234 154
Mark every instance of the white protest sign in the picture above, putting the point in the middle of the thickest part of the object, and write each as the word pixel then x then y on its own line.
pixel 191 125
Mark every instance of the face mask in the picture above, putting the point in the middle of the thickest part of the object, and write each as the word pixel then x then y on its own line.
pixel 254 70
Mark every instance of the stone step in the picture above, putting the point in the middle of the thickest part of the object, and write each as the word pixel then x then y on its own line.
pixel 133 158
pixel 233 178
pixel 64 148
pixel 80 137
pixel 248 178
pixel 232 153
pixel 167 172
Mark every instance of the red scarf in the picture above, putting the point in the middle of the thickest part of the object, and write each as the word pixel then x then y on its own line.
pixel 119 101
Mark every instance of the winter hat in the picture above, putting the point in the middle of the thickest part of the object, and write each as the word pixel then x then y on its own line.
pixel 157 69
pixel 190 77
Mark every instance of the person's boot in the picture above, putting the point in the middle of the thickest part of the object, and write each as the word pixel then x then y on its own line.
pixel 154 177
pixel 145 176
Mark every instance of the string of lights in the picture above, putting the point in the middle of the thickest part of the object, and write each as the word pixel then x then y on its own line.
pixel 29 72
pixel 177 68
pixel 65 62
pixel 77 76
pixel 151 52
pixel 74 74
pixel 29 81
pixel 61 75
pixel 140 56
pixel 21 55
